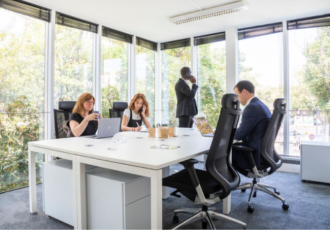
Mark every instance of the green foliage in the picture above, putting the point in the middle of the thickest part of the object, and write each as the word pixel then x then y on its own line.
pixel 172 62
pixel 73 63
pixel 114 73
pixel 109 95
pixel 21 97
pixel 145 77
pixel 20 124
pixel 316 75
pixel 211 80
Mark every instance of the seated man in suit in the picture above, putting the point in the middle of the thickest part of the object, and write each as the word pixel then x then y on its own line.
pixel 255 119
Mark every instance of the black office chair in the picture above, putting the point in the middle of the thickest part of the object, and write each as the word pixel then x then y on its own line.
pixel 272 161
pixel 61 117
pixel 215 184
pixel 117 110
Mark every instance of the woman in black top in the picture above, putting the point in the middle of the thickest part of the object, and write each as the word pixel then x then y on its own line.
pixel 137 112
pixel 83 121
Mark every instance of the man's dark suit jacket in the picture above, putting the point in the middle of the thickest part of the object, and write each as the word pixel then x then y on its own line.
pixel 186 105
pixel 255 119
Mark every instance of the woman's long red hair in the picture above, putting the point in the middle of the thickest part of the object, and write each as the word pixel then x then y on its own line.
pixel 79 107
pixel 145 102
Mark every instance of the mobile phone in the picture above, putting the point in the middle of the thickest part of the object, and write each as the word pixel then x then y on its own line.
pixel 141 109
pixel 188 75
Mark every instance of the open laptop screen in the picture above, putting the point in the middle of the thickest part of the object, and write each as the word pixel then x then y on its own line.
pixel 203 125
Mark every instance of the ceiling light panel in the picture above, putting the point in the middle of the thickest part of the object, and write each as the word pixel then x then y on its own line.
pixel 210 12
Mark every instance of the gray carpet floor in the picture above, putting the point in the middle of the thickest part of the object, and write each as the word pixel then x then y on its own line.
pixel 309 208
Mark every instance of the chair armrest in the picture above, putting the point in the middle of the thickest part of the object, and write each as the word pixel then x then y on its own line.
pixel 243 148
pixel 189 162
pixel 189 166
pixel 247 151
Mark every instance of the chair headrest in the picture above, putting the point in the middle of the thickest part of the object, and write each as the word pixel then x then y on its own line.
pixel 230 101
pixel 66 105
pixel 279 103
pixel 120 105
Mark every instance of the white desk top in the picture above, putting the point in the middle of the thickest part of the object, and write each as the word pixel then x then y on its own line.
pixel 315 143
pixel 136 152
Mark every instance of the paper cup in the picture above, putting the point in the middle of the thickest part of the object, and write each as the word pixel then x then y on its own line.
pixel 163 133
pixel 152 132
pixel 171 131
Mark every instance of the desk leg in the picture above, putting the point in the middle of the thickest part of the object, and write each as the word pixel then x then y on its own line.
pixel 32 182
pixel 166 190
pixel 79 191
pixel 156 200
pixel 227 205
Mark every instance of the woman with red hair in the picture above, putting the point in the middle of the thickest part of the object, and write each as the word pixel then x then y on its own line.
pixel 137 112
pixel 83 121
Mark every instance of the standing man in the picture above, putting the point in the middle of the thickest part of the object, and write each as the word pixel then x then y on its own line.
pixel 186 106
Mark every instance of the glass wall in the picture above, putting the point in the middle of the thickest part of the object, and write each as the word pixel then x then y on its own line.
pixel 309 53
pixel 211 79
pixel 172 62
pixel 22 80
pixel 73 63
pixel 114 79
pixel 145 77
pixel 260 61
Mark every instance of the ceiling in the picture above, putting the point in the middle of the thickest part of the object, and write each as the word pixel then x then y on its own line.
pixel 149 19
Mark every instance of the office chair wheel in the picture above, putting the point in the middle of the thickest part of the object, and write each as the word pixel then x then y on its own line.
pixel 285 206
pixel 175 219
pixel 243 190
pixel 204 225
pixel 278 193
pixel 250 209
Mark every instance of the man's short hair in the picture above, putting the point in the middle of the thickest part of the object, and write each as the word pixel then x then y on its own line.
pixel 184 71
pixel 247 85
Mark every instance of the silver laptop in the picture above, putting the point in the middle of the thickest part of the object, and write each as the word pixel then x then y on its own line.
pixel 108 127
pixel 204 127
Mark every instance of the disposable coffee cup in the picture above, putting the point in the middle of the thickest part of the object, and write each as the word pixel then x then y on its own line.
pixel 152 132
pixel 97 113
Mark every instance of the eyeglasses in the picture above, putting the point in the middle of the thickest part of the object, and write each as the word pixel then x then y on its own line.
pixel 90 102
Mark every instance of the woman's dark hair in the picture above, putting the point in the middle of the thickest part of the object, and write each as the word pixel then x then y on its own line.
pixel 247 85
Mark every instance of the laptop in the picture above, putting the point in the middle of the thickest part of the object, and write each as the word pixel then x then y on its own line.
pixel 108 127
pixel 204 127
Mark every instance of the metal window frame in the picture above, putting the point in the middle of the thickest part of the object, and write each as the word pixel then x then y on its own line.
pixel 97 68
pixel 49 79
pixel 286 88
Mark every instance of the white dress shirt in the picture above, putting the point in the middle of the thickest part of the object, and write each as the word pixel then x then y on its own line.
pixel 248 102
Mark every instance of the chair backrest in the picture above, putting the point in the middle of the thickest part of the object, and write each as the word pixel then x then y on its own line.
pixel 61 117
pixel 117 110
pixel 268 151
pixel 218 161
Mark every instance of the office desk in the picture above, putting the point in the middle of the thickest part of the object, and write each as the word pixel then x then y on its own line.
pixel 135 157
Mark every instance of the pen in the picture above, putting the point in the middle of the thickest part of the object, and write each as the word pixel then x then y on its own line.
pixel 137 124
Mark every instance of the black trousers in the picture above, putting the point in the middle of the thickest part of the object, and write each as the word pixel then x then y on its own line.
pixel 185 121
pixel 240 158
